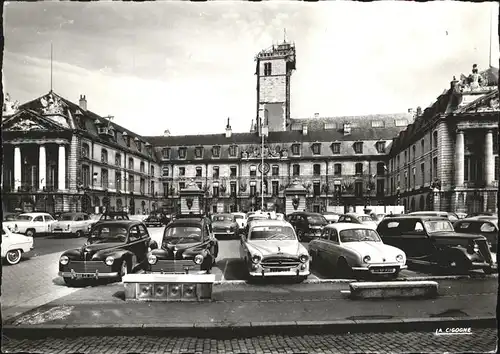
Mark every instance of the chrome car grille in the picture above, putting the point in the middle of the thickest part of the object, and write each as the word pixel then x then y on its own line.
pixel 86 267
pixel 175 266
pixel 280 262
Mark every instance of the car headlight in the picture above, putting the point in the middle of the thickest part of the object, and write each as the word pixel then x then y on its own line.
pixel 400 258
pixel 367 259
pixel 109 260
pixel 152 259
pixel 198 259
pixel 64 260
pixel 303 258
pixel 476 248
pixel 256 258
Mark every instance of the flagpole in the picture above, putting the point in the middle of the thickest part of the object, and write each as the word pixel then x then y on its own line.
pixel 51 54
pixel 491 35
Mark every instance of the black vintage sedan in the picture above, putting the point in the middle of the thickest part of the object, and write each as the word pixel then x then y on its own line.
pixel 155 220
pixel 429 240
pixel 188 246
pixel 113 249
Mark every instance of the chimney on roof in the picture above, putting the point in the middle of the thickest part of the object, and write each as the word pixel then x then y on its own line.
pixel 347 128
pixel 166 133
pixel 316 115
pixel 419 111
pixel 454 84
pixel 228 129
pixel 304 129
pixel 83 102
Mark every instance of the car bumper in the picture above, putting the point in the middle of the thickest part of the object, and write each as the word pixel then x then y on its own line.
pixel 96 275
pixel 381 268
pixel 483 265
pixel 290 273
pixel 224 233
pixel 63 232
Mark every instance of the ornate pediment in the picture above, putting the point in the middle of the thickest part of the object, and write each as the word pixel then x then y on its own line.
pixel 26 121
pixel 485 103
pixel 52 105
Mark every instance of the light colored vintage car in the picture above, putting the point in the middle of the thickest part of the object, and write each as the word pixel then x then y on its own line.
pixel 14 245
pixel 78 224
pixel 241 220
pixel 358 219
pixel 224 225
pixel 31 224
pixel 353 249
pixel 270 248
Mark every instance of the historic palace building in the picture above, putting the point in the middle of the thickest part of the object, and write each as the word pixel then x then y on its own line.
pixel 59 156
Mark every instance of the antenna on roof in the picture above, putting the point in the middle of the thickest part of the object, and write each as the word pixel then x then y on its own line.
pixel 50 66
pixel 491 36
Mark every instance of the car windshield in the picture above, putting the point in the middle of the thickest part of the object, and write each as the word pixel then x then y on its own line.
pixel 257 217
pixel 316 219
pixel 24 218
pixel 109 233
pixel 9 217
pixel 182 233
pixel 272 233
pixel 67 217
pixel 365 218
pixel 438 225
pixel 223 218
pixel 359 235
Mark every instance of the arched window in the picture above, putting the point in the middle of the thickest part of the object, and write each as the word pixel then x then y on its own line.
pixel 131 163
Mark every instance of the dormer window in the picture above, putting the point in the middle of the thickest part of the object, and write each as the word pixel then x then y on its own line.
pixel 139 144
pixel 347 128
pixel 148 148
pixel 165 153
pixel 378 124
pixel 182 153
pixel 380 147
pixel 295 149
pixel 126 138
pixel 335 148
pixel 316 148
pixel 198 152
pixel 358 147
pixel 216 151
pixel 233 151
pixel 401 122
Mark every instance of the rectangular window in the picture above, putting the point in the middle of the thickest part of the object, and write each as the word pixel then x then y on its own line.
pixel 164 171
pixel 232 189
pixel 233 151
pixel 358 147
pixel 253 190
pixel 380 187
pixel 215 191
pixel 296 149
pixel 165 153
pixel 198 152
pixel 118 160
pixel 359 169
pixel 336 148
pixel 275 187
pixel 253 171
pixel 85 175
pixel 337 169
pixel 131 183
pixel 142 186
pixel 378 124
pixel 267 69
pixel 496 168
pixel 434 168
pixel 215 172
pixel 182 153
pixel 182 171
pixel 380 147
pixel 275 170
pixel 198 171
pixel 316 169
pixel 182 185
pixel 165 189
pixel 358 188
pixel 152 188
pixel 216 151
pixel 422 174
pixel 422 146
pixel 296 170
pixel 316 149
pixel 316 188
pixel 104 179
pixel 118 181
pixel 401 122
pixel 233 171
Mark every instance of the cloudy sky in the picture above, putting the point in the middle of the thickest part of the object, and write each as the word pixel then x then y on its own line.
pixel 187 67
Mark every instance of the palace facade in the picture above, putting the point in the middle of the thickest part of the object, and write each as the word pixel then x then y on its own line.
pixel 60 156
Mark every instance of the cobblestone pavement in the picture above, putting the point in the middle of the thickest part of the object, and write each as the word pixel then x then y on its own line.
pixel 481 340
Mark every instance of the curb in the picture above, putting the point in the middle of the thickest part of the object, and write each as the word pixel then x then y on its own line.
pixel 347 281
pixel 248 329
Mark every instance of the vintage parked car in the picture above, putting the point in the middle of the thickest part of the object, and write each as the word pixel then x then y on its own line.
pixel 31 224
pixel 9 216
pixel 188 246
pixel 331 216
pixel 485 226
pixel 271 248
pixel 77 224
pixel 224 225
pixel 15 245
pixel 155 220
pixel 115 215
pixel 307 225
pixel 114 249
pixel 241 220
pixel 355 249
pixel 430 240
pixel 358 219
pixel 444 214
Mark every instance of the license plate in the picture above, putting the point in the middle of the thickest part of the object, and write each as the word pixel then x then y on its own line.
pixel 383 270
pixel 276 270
pixel 79 276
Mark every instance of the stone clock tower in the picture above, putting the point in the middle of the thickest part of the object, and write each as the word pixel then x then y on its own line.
pixel 274 70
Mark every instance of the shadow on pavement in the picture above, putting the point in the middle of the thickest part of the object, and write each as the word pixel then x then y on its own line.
pixel 120 295
pixel 232 269
pixel 83 283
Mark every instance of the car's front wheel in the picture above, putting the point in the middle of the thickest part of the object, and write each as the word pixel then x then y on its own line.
pixel 79 234
pixel 30 232
pixel 13 256
pixel 300 235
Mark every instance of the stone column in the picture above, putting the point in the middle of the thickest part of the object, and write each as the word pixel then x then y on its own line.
pixel 459 159
pixel 489 160
pixel 42 168
pixel 17 168
pixel 61 175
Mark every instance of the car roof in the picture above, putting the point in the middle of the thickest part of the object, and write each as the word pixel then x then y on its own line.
pixel 415 217
pixel 430 213
pixel 187 221
pixel 270 222
pixel 35 213
pixel 339 226
pixel 119 222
